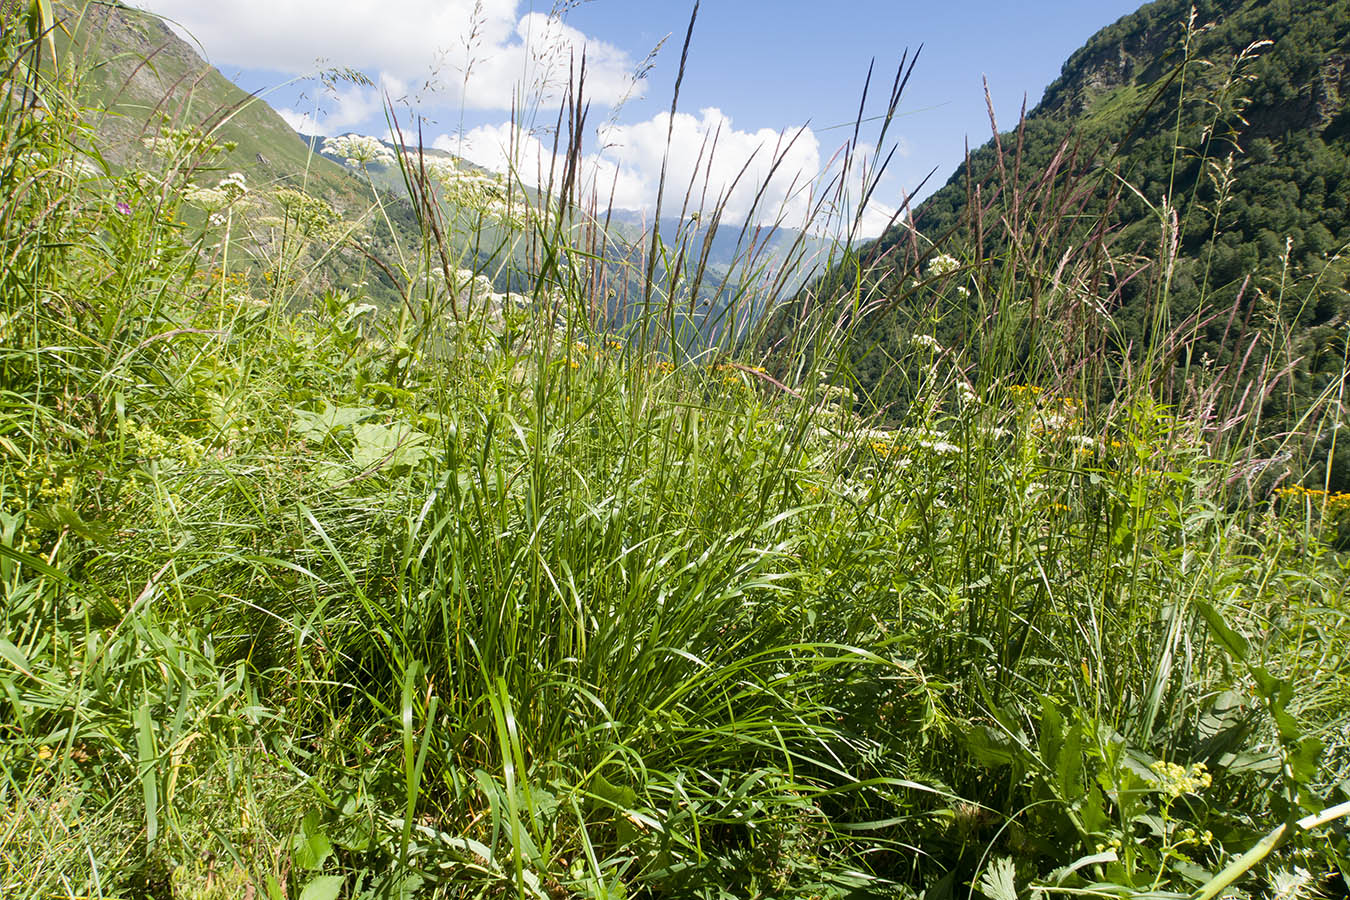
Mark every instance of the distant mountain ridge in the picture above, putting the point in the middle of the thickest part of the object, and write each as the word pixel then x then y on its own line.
pixel 141 76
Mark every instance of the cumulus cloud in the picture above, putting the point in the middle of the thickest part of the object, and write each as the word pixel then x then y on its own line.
pixel 764 175
pixel 479 52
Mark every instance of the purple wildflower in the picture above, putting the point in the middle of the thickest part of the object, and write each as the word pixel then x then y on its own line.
pixel 124 207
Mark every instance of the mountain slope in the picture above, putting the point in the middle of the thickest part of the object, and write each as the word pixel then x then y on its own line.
pixel 1240 118
pixel 142 76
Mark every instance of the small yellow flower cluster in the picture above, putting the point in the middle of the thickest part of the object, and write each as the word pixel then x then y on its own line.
pixel 1335 501
pixel 1189 835
pixel 49 492
pixel 1019 391
pixel 1175 780
pixel 883 448
pixel 1113 844
pixel 665 366
pixel 728 374
pixel 153 445
pixel 233 279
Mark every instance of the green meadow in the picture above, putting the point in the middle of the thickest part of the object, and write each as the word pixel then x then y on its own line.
pixel 458 592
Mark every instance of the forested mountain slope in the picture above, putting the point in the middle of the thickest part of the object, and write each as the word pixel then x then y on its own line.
pixel 1215 141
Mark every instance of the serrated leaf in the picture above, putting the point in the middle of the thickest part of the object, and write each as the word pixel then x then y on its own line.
pixel 999 881
pixel 989 747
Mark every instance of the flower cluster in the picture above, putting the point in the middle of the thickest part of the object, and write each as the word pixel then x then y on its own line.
pixel 152 445
pixel 473 192
pixel 938 446
pixel 942 264
pixel 227 192
pixel 1174 779
pixel 441 169
pixel 51 492
pixel 733 376
pixel 1084 444
pixel 232 186
pixel 1335 501
pixel 179 143
pixel 359 150
pixel 314 217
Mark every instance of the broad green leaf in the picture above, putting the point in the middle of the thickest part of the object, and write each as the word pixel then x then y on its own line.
pixel 317 426
pixel 1234 643
pixel 15 657
pixel 312 846
pixel 32 562
pixel 41 22
pixel 1069 764
pixel 390 445
pixel 324 887
pixel 1106 856
pixel 616 797
pixel 147 765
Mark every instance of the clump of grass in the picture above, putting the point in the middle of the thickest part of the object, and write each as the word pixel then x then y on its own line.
pixel 483 594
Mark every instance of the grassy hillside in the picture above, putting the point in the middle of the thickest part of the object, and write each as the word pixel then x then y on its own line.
pixel 141 77
pixel 307 599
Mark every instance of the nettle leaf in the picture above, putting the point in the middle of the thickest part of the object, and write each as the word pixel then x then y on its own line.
pixel 317 426
pixel 392 445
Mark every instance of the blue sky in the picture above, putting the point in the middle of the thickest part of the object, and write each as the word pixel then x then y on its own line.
pixel 756 69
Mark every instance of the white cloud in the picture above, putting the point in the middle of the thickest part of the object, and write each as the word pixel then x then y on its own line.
pixel 433 54
pixel 303 122
pixel 477 51
pixel 345 107
pixel 764 175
